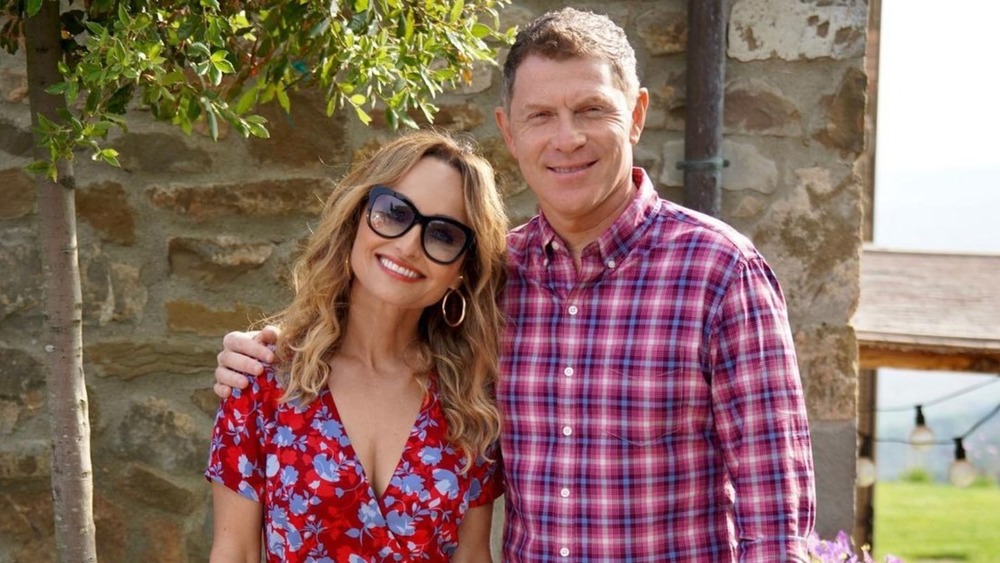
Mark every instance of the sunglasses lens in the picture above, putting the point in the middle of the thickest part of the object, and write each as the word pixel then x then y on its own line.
pixel 389 216
pixel 443 241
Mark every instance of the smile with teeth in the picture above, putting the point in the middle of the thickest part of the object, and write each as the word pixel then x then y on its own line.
pixel 394 267
pixel 569 169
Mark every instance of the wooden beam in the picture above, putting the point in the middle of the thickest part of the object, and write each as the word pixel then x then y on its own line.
pixel 874 356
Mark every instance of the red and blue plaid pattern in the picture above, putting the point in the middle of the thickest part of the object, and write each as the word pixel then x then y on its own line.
pixel 651 400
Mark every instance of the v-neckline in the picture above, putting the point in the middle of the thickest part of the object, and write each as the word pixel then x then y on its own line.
pixel 353 454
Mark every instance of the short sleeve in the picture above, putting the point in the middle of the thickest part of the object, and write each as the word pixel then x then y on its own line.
pixel 486 477
pixel 237 457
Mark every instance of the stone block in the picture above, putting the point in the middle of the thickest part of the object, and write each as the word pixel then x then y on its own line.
pixel 508 173
pixel 128 359
pixel 21 283
pixel 27 525
pixel 154 431
pixel 206 399
pixel 663 31
pixel 15 140
pixel 812 238
pixel 111 520
pixel 795 30
pixel 106 208
pixel 112 292
pixel 160 490
pixel 479 79
pixel 22 389
pixel 25 460
pixel 188 316
pixel 845 129
pixel 458 117
pixel 748 169
pixel 216 260
pixel 14 85
pixel 754 107
pixel 160 153
pixel 164 541
pixel 516 15
pixel 17 194
pixel 744 206
pixel 304 137
pixel 265 198
pixel 671 98
pixel 828 362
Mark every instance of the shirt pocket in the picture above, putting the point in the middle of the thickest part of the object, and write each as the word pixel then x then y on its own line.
pixel 646 408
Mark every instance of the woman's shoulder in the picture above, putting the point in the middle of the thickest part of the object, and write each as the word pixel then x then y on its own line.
pixel 262 388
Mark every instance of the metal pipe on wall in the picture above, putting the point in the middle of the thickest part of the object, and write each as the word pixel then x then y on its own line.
pixel 706 59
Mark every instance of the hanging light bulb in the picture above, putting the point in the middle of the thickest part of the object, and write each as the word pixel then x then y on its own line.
pixel 866 473
pixel 961 473
pixel 921 438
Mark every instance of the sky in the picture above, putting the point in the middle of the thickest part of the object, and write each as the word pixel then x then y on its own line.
pixel 937 179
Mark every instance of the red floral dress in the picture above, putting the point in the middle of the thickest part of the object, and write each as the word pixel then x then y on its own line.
pixel 318 505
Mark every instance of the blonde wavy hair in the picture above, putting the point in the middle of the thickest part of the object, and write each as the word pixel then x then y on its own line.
pixel 465 358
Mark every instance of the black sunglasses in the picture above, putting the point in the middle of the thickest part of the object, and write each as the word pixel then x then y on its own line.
pixel 392 215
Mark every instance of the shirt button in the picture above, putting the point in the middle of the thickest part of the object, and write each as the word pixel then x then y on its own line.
pixel 567 431
pixel 564 552
pixel 573 310
pixel 564 493
pixel 568 372
pixel 610 263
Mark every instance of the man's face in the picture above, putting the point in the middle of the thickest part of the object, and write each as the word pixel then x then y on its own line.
pixel 571 129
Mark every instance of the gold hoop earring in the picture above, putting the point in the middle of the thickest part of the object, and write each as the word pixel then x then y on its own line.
pixel 444 308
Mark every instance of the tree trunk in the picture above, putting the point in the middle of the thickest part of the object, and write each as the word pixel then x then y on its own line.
pixel 72 474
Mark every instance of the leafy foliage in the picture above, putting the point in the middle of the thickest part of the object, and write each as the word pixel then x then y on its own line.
pixel 217 60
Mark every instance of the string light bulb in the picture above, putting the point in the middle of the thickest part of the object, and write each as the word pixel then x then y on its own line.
pixel 921 438
pixel 865 469
pixel 961 473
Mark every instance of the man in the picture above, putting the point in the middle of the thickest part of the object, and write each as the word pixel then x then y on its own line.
pixel 648 383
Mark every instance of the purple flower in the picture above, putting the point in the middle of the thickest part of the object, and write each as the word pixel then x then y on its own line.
pixel 840 550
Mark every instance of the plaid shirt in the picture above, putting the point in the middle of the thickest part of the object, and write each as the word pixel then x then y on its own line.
pixel 651 400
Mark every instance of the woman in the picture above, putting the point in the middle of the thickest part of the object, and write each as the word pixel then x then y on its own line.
pixel 372 435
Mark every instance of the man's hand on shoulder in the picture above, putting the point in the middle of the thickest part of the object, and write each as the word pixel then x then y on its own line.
pixel 244 353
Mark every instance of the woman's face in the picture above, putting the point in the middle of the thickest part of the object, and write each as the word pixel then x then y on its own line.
pixel 398 272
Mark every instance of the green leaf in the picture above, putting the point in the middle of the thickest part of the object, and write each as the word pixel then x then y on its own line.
pixel 258 130
pixel 34 6
pixel 283 100
pixel 456 11
pixel 213 123
pixel 362 115
pixel 40 167
pixel 110 156
pixel 247 101
pixel 57 89
pixel 480 31
pixel 224 66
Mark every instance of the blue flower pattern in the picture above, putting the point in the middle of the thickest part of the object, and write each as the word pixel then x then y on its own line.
pixel 318 506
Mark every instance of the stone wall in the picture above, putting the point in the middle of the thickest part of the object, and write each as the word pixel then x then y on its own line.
pixel 191 238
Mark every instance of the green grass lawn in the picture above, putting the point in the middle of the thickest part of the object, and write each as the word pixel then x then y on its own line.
pixel 925 522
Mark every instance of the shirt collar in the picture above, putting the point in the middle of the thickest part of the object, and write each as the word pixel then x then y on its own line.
pixel 618 240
